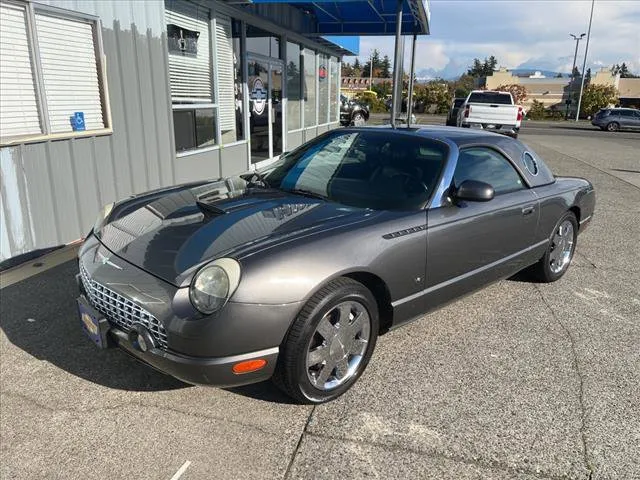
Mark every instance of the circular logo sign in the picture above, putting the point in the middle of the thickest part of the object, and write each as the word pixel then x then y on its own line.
pixel 259 96
pixel 322 72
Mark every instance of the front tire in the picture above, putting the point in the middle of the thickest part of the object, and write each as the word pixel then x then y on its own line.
pixel 562 245
pixel 329 344
pixel 358 120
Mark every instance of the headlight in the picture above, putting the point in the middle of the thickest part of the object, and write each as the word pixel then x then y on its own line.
pixel 214 284
pixel 102 216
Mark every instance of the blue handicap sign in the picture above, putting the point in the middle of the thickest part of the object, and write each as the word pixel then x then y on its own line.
pixel 77 122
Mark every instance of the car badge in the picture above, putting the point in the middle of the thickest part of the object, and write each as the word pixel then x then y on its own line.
pixel 105 261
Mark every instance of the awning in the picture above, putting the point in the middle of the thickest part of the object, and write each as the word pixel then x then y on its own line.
pixel 363 17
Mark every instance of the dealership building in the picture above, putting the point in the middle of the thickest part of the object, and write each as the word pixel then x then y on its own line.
pixel 101 99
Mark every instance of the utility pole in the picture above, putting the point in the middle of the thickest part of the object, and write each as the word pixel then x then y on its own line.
pixel 584 63
pixel 573 68
pixel 371 70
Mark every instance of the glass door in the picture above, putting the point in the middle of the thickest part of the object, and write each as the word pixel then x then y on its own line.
pixel 259 113
pixel 265 108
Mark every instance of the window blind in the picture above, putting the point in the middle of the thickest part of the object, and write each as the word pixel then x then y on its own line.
pixel 70 71
pixel 226 71
pixel 18 105
pixel 189 52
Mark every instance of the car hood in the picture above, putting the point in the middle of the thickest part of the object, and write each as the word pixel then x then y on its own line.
pixel 169 235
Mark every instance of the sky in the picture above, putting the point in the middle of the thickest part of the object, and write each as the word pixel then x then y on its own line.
pixel 530 34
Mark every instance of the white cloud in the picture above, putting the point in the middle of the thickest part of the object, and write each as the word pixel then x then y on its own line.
pixel 532 33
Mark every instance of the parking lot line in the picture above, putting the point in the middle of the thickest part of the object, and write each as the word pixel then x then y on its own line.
pixel 181 470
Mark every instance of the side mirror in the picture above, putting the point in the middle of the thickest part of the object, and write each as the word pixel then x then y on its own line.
pixel 475 191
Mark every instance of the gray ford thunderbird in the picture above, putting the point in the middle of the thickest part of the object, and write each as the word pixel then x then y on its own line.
pixel 293 271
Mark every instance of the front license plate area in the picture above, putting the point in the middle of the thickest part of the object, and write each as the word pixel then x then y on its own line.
pixel 95 326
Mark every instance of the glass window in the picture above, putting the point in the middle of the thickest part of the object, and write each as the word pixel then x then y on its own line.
pixel 373 169
pixel 530 164
pixel 73 90
pixel 490 97
pixel 262 42
pixel 191 74
pixel 626 113
pixel 486 165
pixel 294 86
pixel 238 62
pixel 323 88
pixel 194 128
pixel 334 89
pixel 309 67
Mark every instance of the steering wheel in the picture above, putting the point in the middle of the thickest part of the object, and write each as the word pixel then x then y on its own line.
pixel 410 182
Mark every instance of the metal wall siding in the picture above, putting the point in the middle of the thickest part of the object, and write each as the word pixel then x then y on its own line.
pixel 18 106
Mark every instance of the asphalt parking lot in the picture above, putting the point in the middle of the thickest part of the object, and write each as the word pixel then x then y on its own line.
pixel 519 380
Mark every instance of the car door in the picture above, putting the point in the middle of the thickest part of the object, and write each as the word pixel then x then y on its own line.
pixel 634 119
pixel 626 118
pixel 470 244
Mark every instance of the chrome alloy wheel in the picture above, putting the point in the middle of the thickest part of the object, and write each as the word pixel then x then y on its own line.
pixel 561 247
pixel 338 345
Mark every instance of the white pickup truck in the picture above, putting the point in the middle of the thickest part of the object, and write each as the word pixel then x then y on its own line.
pixel 491 110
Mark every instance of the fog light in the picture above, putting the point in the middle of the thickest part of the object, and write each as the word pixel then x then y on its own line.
pixel 141 339
pixel 249 366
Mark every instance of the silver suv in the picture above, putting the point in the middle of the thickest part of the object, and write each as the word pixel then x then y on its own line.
pixel 614 119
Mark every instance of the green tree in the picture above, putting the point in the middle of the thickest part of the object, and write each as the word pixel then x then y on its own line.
pixel 463 86
pixel 434 95
pixel 575 73
pixel 490 65
pixel 382 89
pixel 596 97
pixel 346 69
pixel 536 112
pixel 377 65
pixel 477 69
pixel 623 70
pixel 558 75
pixel 385 67
pixel 483 68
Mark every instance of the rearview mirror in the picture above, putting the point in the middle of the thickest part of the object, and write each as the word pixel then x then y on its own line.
pixel 475 191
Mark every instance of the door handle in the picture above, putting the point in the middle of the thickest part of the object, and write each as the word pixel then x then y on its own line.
pixel 528 210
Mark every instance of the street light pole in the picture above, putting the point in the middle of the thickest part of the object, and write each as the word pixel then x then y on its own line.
pixel 371 70
pixel 584 63
pixel 573 68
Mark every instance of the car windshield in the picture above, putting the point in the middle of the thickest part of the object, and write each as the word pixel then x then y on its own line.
pixel 377 169
pixel 490 97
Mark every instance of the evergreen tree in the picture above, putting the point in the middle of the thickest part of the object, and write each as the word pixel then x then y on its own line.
pixel 385 67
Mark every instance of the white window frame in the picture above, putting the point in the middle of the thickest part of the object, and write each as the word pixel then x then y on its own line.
pixel 101 67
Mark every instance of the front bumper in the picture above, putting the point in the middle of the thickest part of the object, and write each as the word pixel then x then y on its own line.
pixel 189 346
pixel 200 371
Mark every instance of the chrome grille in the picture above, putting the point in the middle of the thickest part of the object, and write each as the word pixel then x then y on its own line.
pixel 120 310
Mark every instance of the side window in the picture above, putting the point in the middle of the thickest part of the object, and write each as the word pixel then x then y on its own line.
pixel 486 165
pixel 626 113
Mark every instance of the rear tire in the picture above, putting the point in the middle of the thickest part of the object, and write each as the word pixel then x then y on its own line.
pixel 613 126
pixel 329 344
pixel 562 245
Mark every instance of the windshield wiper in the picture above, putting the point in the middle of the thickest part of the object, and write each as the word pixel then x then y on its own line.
pixel 306 193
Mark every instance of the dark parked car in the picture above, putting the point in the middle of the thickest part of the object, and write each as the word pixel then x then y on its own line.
pixel 614 119
pixel 352 112
pixel 292 272
pixel 452 118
